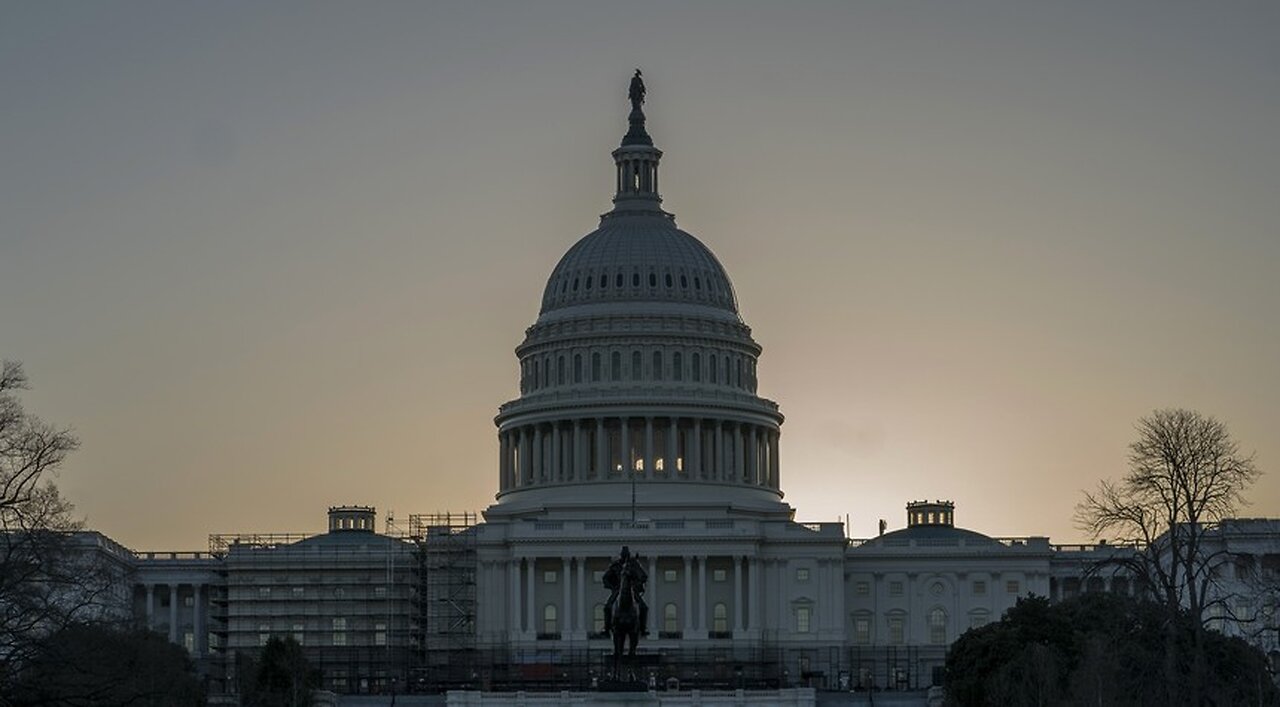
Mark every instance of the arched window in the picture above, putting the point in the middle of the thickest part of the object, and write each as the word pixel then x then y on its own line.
pixel 712 375
pixel 728 372
pixel 533 379
pixel 668 281
pixel 635 279
pixel 604 281
pixel 979 618
pixel 575 284
pixel 615 366
pixel 560 371
pixel 739 379
pixel 804 618
pixel 577 368
pixel 549 623
pixel 657 365
pixel 670 618
pixel 589 279
pixel 597 618
pixel 684 282
pixel 695 367
pixel 697 283
pixel 617 281
pixel 595 367
pixel 546 371
pixel 719 618
pixel 938 626
pixel 677 370
pixel 635 365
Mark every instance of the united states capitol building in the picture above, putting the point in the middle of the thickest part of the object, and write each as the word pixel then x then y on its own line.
pixel 638 424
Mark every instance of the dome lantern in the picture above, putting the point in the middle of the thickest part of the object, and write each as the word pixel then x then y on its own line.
pixel 637 159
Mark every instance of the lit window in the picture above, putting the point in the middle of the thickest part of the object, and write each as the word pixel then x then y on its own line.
pixel 549 618
pixel 339 632
pixel 597 576
pixel 896 635
pixel 670 575
pixel 597 618
pixel 380 591
pixel 719 618
pixel 549 577
pixel 718 575
pixel 1012 586
pixel 895 589
pixel 379 634
pixel 264 634
pixel 938 626
pixel 979 587
pixel 803 614
pixel 188 601
pixel 862 630
pixel 670 618
pixel 299 633
pixel 862 589
pixel 264 592
pixel 189 641
pixel 802 574
pixel 339 593
pixel 298 592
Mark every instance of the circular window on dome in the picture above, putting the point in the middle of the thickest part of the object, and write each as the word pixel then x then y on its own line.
pixel 697 284
pixel 589 282
pixel 669 281
pixel 617 282
pixel 635 279
pixel 684 282
pixel 575 284
pixel 604 282
pixel 653 279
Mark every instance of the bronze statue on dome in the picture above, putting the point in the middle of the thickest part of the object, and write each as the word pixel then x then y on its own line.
pixel 636 92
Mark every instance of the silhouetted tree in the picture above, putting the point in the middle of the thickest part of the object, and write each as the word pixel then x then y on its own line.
pixel 1185 475
pixel 1097 649
pixel 280 677
pixel 92 664
pixel 48 577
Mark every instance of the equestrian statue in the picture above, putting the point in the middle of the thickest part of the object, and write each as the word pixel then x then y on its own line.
pixel 625 613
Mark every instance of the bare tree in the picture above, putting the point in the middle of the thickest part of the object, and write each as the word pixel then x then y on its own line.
pixel 51 573
pixel 1186 474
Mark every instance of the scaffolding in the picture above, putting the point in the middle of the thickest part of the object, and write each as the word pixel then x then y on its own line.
pixel 447 595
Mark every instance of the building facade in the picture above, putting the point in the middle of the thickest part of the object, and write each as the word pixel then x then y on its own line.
pixel 638 424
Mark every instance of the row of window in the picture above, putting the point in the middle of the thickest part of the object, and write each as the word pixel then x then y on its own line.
pixel 379 592
pixel 701 284
pixel 337 635
pixel 897 588
pixel 896 623
pixel 546 371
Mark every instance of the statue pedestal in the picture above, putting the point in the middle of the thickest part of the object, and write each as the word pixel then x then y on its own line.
pixel 623 686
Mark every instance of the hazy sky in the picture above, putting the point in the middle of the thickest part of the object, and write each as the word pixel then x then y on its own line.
pixel 266 257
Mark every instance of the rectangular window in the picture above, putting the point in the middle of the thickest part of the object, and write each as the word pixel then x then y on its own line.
pixel 188 601
pixel 379 634
pixel 802 574
pixel 549 577
pixel 862 589
pixel 718 575
pixel 657 365
pixel 1012 586
pixel 862 630
pixel 299 633
pixel 189 641
pixel 380 591
pixel 597 576
pixel 896 635
pixel 264 634
pixel 670 575
pixel 264 592
pixel 977 620
pixel 979 587
pixel 803 614
pixel 895 589
pixel 298 592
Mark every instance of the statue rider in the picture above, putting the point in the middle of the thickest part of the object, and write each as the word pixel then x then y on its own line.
pixel 613 582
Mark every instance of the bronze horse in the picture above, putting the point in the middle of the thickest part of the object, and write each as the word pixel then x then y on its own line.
pixel 626 622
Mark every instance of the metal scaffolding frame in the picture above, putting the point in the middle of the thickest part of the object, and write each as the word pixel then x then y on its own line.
pixel 447 597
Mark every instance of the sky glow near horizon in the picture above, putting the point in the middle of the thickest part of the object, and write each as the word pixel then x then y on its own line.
pixel 266 258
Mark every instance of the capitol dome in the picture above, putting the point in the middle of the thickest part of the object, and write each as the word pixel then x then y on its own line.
pixel 638 379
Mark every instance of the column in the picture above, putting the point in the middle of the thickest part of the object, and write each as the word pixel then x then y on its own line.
pixel 576 458
pixel 503 468
pixel 688 596
pixel 602 450
pixel 582 597
pixel 695 471
pixel 753 590
pixel 151 605
pixel 557 469
pixel 773 460
pixel 784 580
pixel 539 455
pixel 525 458
pixel 717 462
pixel 566 613
pixel 197 636
pixel 514 623
pixel 736 626
pixel 531 609
pixel 702 593
pixel 625 456
pixel 648 448
pixel 739 466
pixel 673 448
pixel 173 613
